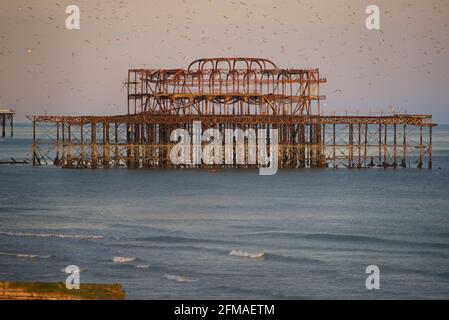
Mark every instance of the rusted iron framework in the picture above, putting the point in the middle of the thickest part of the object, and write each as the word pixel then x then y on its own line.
pixel 231 93
pixel 225 86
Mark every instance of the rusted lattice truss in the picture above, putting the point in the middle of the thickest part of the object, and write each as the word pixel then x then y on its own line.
pixel 225 86
pixel 233 93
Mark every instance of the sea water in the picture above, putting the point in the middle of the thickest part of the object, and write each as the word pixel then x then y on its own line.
pixel 228 234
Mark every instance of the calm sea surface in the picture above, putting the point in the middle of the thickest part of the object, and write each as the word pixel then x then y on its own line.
pixel 170 233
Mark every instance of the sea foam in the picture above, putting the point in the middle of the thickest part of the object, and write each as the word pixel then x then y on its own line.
pixel 50 235
pixel 24 255
pixel 250 255
pixel 180 278
pixel 123 259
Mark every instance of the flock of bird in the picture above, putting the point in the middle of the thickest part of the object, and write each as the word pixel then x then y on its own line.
pixel 116 35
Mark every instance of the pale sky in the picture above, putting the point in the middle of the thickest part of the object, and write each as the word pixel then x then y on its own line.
pixel 45 68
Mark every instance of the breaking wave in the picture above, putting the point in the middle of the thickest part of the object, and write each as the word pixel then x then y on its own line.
pixel 180 278
pixel 123 259
pixel 250 255
pixel 142 266
pixel 51 235
pixel 24 255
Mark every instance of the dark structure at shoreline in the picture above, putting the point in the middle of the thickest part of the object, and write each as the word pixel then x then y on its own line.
pixel 7 117
pixel 231 93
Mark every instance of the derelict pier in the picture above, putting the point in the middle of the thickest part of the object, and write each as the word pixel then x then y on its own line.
pixel 231 93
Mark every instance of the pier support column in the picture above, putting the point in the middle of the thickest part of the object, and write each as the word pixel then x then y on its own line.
pixel 63 158
pixel 420 163
pixel 69 146
pixel 11 122
pixel 316 145
pixel 430 147
pixel 116 151
pixel 365 148
pixel 351 145
pixel 81 160
pixel 106 162
pixel 334 147
pixel 380 144
pixel 143 144
pixel 385 164
pixel 311 142
pixel 324 160
pixel 302 146
pixel 395 146
pixel 3 125
pixel 136 145
pixel 34 143
pixel 94 156
pixel 128 145
pixel 56 161
pixel 359 147
pixel 404 154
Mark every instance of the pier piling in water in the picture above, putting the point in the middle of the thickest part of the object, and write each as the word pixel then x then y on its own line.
pixel 7 118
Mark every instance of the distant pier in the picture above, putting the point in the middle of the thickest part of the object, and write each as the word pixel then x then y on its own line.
pixel 59 291
pixel 7 118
